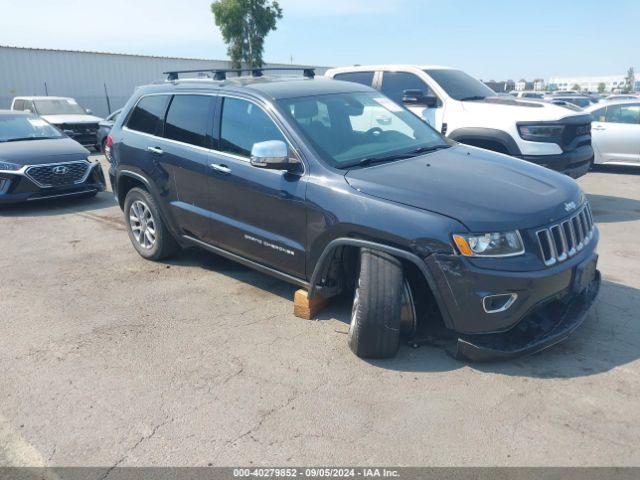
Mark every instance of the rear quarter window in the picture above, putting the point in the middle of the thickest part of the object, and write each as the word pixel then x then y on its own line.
pixel 363 78
pixel 148 114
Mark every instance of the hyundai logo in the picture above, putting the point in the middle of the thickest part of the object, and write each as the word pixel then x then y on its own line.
pixel 60 170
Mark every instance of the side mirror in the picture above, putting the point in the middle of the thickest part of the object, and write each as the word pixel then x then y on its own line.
pixel 273 154
pixel 89 112
pixel 418 98
pixel 28 110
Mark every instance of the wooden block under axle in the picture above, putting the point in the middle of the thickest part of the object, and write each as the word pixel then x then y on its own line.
pixel 305 308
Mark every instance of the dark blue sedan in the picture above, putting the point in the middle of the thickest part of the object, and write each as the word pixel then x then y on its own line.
pixel 38 162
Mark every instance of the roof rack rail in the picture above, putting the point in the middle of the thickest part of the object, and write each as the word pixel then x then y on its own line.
pixel 221 73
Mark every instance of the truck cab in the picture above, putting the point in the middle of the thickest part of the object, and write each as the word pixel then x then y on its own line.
pixel 464 109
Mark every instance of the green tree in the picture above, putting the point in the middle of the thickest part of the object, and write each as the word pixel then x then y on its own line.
pixel 630 80
pixel 244 24
pixel 576 87
pixel 601 87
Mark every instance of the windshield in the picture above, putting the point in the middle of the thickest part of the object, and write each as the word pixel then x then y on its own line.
pixel 21 127
pixel 459 85
pixel 354 128
pixel 60 106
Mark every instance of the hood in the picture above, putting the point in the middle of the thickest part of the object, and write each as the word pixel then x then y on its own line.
pixel 517 109
pixel 79 118
pixel 485 191
pixel 38 152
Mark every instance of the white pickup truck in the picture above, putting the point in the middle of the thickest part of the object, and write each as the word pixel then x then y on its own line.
pixel 466 110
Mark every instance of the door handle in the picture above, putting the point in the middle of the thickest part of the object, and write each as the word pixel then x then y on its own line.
pixel 156 150
pixel 218 167
pixel 598 127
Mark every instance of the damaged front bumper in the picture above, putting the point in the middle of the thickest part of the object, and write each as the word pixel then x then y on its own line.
pixel 546 326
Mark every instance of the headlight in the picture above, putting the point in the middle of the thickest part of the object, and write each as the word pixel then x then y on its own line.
pixel 498 244
pixel 9 166
pixel 541 133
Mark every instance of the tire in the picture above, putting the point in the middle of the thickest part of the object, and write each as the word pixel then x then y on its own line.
pixel 147 231
pixel 374 331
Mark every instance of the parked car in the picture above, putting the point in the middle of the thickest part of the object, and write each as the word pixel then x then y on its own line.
pixel 617 98
pixel 104 127
pixel 616 132
pixel 527 94
pixel 466 110
pixel 581 101
pixel 334 187
pixel 39 162
pixel 66 114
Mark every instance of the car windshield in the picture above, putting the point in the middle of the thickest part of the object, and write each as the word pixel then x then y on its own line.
pixel 59 106
pixel 22 127
pixel 359 128
pixel 459 85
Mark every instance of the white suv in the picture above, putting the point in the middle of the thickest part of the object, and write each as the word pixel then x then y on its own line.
pixel 466 110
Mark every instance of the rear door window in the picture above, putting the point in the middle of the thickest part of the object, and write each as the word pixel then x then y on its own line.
pixel 18 105
pixel 189 119
pixel 363 78
pixel 148 114
pixel 243 124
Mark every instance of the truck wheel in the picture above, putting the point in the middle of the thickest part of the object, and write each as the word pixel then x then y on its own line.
pixel 375 319
pixel 147 231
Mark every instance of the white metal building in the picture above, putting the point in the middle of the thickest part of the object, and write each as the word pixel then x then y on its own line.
pixel 611 82
pixel 102 82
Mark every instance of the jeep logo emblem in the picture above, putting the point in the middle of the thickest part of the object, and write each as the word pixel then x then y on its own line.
pixel 570 206
pixel 60 170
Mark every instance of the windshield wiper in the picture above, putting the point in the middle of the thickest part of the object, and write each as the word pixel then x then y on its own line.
pixel 421 150
pixel 389 158
pixel 23 139
pixel 400 156
pixel 472 97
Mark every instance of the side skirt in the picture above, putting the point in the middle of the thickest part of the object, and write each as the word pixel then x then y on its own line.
pixel 246 262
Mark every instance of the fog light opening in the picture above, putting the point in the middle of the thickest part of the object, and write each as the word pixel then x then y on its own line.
pixel 498 303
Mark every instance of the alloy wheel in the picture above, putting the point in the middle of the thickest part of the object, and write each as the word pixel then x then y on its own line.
pixel 143 225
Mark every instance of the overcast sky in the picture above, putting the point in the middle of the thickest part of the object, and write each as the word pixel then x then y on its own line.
pixel 492 39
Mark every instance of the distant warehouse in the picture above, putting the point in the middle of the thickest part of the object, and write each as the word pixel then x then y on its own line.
pixel 101 82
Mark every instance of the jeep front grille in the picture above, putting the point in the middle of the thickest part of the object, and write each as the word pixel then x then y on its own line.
pixel 563 240
pixel 58 174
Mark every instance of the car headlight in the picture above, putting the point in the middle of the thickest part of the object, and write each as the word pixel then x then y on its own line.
pixel 497 244
pixel 9 167
pixel 541 133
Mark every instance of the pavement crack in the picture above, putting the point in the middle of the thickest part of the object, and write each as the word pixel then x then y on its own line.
pixel 142 439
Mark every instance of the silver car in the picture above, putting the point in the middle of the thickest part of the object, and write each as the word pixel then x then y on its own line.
pixel 615 132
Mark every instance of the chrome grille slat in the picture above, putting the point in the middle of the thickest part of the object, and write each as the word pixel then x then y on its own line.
pixel 46 177
pixel 563 240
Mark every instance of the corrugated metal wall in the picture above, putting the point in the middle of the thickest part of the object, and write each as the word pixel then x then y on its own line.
pixel 84 75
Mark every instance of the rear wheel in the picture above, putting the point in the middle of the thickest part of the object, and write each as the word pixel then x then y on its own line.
pixel 147 231
pixel 375 326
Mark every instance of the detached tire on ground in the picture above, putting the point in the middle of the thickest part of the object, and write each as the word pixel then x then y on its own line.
pixel 147 231
pixel 375 319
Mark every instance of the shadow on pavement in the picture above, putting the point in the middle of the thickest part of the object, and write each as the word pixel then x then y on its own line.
pixel 609 209
pixel 62 206
pixel 607 339
pixel 196 257
pixel 618 169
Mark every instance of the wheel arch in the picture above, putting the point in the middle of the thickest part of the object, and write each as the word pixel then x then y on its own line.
pixel 324 263
pixel 486 136
pixel 125 181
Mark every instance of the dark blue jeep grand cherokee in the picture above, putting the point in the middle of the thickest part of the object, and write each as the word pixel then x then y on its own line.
pixel 332 186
